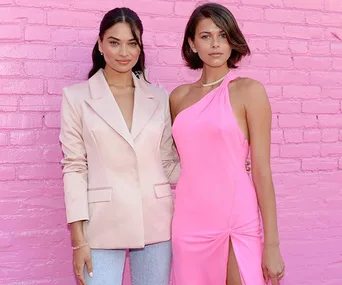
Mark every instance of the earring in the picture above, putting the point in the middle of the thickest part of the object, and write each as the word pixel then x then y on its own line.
pixel 101 53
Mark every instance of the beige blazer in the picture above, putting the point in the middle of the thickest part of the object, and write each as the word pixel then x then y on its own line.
pixel 115 180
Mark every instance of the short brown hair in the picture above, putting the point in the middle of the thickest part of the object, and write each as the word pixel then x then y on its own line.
pixel 225 20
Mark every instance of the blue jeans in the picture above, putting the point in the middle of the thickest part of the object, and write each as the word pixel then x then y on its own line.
pixel 149 266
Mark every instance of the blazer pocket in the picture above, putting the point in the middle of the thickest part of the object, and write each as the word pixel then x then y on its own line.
pixel 100 194
pixel 162 190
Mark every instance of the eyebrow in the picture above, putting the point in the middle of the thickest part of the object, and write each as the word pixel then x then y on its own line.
pixel 114 38
pixel 205 32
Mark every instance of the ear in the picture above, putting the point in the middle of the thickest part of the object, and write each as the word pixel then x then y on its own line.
pixel 99 42
pixel 192 46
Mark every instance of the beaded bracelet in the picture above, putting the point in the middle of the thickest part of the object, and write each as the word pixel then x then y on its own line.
pixel 79 246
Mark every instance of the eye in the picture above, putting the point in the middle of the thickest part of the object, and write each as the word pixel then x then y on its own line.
pixel 205 37
pixel 133 44
pixel 114 43
pixel 224 36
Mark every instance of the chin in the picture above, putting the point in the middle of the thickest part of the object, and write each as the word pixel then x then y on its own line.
pixel 216 64
pixel 122 69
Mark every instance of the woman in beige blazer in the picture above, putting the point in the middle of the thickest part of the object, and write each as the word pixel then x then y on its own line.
pixel 118 162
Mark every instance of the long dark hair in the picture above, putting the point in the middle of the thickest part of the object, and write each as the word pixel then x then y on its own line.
pixel 225 20
pixel 119 15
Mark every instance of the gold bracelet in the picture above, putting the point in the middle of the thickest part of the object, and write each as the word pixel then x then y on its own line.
pixel 79 246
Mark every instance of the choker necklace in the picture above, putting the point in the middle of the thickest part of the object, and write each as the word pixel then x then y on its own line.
pixel 215 82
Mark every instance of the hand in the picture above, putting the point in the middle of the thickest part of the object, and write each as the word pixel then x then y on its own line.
pixel 82 258
pixel 248 165
pixel 273 266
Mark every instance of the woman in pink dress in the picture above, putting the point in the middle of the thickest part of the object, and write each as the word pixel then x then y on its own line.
pixel 216 231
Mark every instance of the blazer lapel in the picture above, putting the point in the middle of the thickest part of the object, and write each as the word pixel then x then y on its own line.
pixel 144 106
pixel 104 104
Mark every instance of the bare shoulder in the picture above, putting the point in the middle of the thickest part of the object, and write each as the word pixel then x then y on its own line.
pixel 251 90
pixel 179 92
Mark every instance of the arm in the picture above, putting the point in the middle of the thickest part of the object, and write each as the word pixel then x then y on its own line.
pixel 169 153
pixel 75 170
pixel 259 117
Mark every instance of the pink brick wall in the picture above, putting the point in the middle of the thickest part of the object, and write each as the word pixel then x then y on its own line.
pixel 297 53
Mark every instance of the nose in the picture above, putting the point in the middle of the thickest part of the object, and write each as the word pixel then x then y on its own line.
pixel 123 50
pixel 215 42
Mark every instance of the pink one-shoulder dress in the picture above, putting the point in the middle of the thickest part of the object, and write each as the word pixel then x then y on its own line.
pixel 215 197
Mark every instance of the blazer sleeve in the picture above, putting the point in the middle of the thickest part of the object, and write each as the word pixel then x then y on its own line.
pixel 169 153
pixel 74 162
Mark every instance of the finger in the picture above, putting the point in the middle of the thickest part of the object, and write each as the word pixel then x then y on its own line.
pixel 274 280
pixel 89 266
pixel 265 274
pixel 80 274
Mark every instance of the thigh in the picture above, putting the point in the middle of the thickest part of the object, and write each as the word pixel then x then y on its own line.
pixel 151 265
pixel 108 266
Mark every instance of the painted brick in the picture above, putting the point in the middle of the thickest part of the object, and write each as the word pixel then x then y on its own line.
pixel 333 5
pixel 20 121
pixel 22 138
pixel 276 3
pixel 293 136
pixel 45 3
pixel 11 68
pixel 285 165
pixel 39 172
pixel 7 173
pixel 263 29
pixel 313 4
pixel 303 32
pixel 330 135
pixel 283 61
pixel 331 149
pixel 297 121
pixel 65 35
pixel 319 48
pixel 16 14
pixel 326 19
pixel 10 32
pixel 37 33
pixel 40 103
pixel 300 150
pixel 21 86
pixel 302 92
pixel 317 63
pixel 26 51
pixel 286 16
pixel 312 135
pixel 289 77
pixel 52 120
pixel 73 53
pixel 328 121
pixel 321 107
pixel 72 18
pixel 319 164
pixel 326 78
pixel 3 139
pixel 8 103
pixel 336 49
pixel 298 47
pixel 90 5
pixel 286 107
pixel 48 70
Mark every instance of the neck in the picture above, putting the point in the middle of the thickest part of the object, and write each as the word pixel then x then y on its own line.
pixel 119 79
pixel 210 74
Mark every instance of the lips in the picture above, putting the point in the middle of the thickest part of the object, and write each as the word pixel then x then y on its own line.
pixel 215 54
pixel 123 61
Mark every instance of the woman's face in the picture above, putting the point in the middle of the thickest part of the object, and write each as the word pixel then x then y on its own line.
pixel 211 43
pixel 120 50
